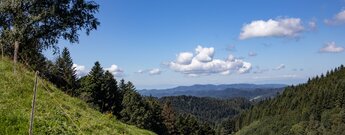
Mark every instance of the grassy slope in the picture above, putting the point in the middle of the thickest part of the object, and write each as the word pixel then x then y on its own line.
pixel 51 108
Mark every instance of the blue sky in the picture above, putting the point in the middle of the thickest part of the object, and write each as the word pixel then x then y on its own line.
pixel 154 43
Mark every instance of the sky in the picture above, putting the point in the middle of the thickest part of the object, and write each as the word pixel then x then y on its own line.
pixel 168 43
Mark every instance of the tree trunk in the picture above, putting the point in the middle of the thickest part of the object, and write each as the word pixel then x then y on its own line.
pixel 16 48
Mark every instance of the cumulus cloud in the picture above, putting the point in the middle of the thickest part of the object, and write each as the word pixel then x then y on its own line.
pixel 281 27
pixel 252 54
pixel 184 58
pixel 203 63
pixel 115 70
pixel 154 71
pixel 80 70
pixel 339 18
pixel 331 47
pixel 280 67
pixel 204 54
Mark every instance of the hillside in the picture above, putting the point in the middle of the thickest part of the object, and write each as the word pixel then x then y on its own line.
pixel 56 112
pixel 207 109
pixel 316 107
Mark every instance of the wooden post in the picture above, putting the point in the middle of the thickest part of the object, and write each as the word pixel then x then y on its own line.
pixel 15 56
pixel 33 105
pixel 2 51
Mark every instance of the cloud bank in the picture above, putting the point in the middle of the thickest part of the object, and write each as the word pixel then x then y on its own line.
pixel 202 62
pixel 286 27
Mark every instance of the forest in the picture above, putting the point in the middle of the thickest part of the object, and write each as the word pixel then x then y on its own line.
pixel 315 107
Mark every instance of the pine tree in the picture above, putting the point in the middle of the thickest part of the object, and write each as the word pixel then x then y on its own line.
pixel 169 118
pixel 111 102
pixel 155 120
pixel 94 85
pixel 134 109
pixel 66 73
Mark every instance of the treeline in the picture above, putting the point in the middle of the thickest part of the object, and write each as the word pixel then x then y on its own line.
pixel 316 107
pixel 102 91
pixel 213 111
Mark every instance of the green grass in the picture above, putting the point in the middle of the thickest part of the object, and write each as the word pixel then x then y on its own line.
pixel 55 112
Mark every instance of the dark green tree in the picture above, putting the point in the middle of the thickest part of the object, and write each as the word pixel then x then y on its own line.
pixel 66 73
pixel 154 122
pixel 111 103
pixel 92 86
pixel 134 108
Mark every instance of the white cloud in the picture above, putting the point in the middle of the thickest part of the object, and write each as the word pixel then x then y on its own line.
pixel 280 67
pixel 203 63
pixel 252 54
pixel 80 70
pixel 140 71
pixel 115 70
pixel 204 54
pixel 154 71
pixel 331 47
pixel 185 58
pixel 337 19
pixel 286 27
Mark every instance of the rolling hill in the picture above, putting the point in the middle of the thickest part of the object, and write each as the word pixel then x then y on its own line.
pixel 316 107
pixel 55 112
pixel 223 91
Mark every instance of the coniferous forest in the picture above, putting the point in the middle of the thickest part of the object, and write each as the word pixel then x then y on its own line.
pixel 29 28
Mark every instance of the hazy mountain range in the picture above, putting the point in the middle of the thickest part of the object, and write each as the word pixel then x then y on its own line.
pixel 249 91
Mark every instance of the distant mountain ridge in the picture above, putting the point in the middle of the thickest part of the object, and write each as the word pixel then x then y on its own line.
pixel 218 91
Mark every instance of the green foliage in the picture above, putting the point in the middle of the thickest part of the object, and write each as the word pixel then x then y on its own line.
pixel 154 122
pixel 188 125
pixel 111 93
pixel 33 26
pixel 207 109
pixel 169 118
pixel 134 109
pixel 65 73
pixel 52 109
pixel 316 107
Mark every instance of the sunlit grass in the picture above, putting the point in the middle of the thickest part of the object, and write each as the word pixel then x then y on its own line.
pixel 55 112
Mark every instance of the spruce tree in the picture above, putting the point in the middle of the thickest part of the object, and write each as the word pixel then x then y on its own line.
pixel 66 73
pixel 95 80
pixel 111 102
pixel 155 120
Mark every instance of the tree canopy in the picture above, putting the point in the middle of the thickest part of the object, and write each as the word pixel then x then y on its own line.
pixel 40 24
